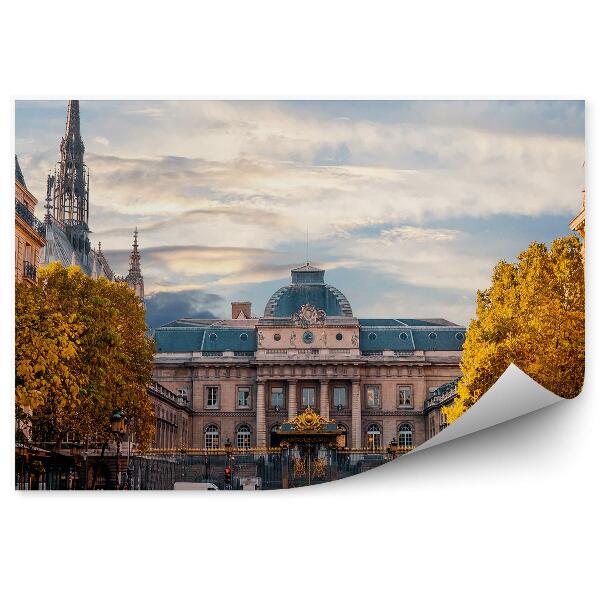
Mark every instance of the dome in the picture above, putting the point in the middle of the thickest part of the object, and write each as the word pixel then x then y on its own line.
pixel 308 287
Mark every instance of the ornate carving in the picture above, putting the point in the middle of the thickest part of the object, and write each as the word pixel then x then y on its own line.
pixel 354 339
pixel 309 420
pixel 293 339
pixel 261 339
pixel 318 468
pixel 299 467
pixel 308 316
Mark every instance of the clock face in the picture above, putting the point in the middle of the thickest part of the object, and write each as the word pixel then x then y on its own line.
pixel 308 337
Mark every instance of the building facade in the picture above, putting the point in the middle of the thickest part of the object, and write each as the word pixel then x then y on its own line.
pixel 30 233
pixel 172 413
pixel 242 377
pixel 444 396
pixel 578 223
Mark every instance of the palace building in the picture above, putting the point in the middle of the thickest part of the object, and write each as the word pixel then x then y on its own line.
pixel 381 380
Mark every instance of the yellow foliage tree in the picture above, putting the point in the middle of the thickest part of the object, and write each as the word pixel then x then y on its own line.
pixel 82 352
pixel 533 315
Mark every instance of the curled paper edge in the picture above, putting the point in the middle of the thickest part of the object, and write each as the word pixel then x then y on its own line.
pixel 513 395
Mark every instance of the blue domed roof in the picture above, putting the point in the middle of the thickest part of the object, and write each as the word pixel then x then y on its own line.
pixel 308 287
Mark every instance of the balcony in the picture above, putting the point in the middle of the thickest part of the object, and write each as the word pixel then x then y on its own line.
pixel 166 394
pixel 29 218
pixel 29 271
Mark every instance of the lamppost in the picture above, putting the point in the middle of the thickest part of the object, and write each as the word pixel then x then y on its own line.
pixel 118 426
pixel 392 448
pixel 227 464
pixel 76 453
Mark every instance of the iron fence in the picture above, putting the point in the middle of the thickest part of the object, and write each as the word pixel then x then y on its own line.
pixel 257 468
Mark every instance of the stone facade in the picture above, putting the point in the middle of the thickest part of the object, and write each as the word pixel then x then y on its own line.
pixel 244 377
pixel 578 223
pixel 30 236
pixel 172 414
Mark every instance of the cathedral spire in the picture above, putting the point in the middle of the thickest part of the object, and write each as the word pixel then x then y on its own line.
pixel 134 278
pixel 71 192
pixel 134 257
pixel 72 128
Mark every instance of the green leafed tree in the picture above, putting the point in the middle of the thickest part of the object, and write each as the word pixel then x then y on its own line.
pixel 533 315
pixel 82 352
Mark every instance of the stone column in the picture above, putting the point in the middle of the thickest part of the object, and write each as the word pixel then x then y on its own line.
pixel 261 416
pixel 292 399
pixel 356 415
pixel 324 400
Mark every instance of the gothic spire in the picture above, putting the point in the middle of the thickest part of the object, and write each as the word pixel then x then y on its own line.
pixel 134 258
pixel 134 278
pixel 71 192
pixel 72 128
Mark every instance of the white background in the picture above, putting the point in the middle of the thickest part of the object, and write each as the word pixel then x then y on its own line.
pixel 509 512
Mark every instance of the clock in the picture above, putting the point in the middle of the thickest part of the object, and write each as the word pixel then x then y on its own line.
pixel 308 337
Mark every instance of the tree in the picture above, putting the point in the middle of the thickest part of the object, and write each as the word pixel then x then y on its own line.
pixel 533 315
pixel 82 352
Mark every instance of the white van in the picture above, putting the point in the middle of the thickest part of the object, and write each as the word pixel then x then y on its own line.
pixel 190 485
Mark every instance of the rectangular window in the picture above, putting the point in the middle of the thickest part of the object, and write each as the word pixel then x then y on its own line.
pixel 277 397
pixel 405 395
pixel 373 396
pixel 339 397
pixel 308 396
pixel 431 426
pixel 212 396
pixel 443 420
pixel 243 397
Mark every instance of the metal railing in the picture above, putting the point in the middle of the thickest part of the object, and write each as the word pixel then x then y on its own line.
pixel 443 394
pixel 162 391
pixel 27 216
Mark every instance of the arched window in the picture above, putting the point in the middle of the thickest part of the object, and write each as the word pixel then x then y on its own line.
pixel 211 437
pixel 405 435
pixel 374 437
pixel 242 437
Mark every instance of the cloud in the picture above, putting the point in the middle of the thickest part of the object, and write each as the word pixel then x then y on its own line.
pixel 185 267
pixel 163 307
pixel 101 140
pixel 418 234
pixel 223 192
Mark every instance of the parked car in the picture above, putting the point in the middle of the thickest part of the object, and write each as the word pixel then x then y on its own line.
pixel 192 485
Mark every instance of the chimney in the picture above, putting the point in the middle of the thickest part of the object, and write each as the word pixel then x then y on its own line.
pixel 241 310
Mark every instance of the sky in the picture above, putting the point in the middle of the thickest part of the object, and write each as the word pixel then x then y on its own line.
pixel 408 205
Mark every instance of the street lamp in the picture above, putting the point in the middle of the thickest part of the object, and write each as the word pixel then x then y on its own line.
pixel 118 426
pixel 76 453
pixel 228 463
pixel 118 421
pixel 392 448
